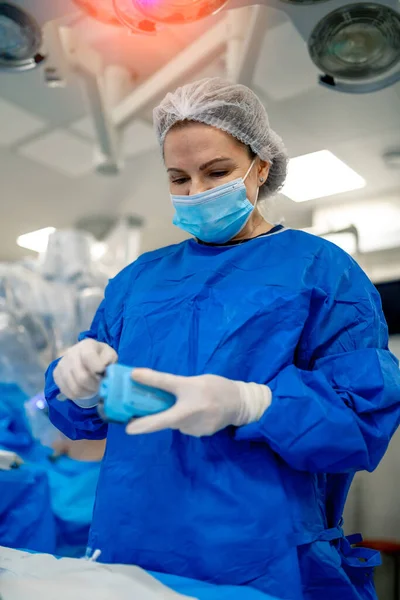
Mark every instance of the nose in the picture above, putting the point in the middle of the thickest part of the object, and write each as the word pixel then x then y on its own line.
pixel 198 186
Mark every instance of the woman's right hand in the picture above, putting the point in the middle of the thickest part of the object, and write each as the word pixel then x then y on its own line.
pixel 79 372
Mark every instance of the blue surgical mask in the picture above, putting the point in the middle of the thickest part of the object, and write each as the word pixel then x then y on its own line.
pixel 217 215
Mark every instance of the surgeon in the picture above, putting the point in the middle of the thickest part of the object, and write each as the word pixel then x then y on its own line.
pixel 275 345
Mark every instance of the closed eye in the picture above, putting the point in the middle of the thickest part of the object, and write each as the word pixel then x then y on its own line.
pixel 183 180
pixel 219 174
pixel 180 180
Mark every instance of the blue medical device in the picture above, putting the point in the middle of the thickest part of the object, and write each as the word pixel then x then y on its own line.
pixel 122 399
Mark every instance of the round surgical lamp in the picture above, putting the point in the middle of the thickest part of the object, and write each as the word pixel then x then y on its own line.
pixel 357 47
pixel 20 39
pixel 122 12
pixel 133 19
pixel 176 12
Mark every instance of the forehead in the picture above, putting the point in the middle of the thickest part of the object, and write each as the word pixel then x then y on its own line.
pixel 199 143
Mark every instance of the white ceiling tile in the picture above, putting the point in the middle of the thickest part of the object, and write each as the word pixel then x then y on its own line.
pixel 85 127
pixel 17 124
pixel 61 151
pixel 138 137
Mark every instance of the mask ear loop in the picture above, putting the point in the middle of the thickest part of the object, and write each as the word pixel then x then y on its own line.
pixel 249 169
pixel 245 177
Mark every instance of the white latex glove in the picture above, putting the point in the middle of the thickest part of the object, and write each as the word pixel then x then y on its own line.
pixel 205 404
pixel 79 372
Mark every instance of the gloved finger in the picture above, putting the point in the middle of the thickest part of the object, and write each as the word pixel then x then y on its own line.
pixel 86 382
pixel 81 383
pixel 162 381
pixel 169 419
pixel 85 389
pixel 108 356
pixel 92 360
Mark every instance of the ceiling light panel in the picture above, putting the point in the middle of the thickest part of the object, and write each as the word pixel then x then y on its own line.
pixel 318 175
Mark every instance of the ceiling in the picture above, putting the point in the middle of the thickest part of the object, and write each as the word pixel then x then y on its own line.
pixel 46 138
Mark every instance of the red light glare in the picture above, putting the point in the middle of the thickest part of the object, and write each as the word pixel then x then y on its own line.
pixel 133 19
pixel 176 12
pixel 101 10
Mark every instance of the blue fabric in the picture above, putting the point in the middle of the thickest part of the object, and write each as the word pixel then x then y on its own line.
pixel 25 516
pixel 206 591
pixel 47 505
pixel 26 520
pixel 15 433
pixel 247 506
pixel 73 487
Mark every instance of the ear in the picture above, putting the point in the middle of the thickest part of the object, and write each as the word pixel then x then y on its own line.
pixel 263 171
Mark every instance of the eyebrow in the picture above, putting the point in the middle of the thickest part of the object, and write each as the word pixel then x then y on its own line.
pixel 204 166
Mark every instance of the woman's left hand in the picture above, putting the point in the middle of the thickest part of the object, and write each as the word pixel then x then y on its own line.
pixel 205 404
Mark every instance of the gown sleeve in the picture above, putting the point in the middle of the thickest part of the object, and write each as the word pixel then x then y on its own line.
pixel 84 423
pixel 336 408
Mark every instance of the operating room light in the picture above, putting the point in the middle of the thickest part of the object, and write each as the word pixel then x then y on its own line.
pixel 318 175
pixel 20 39
pixel 141 16
pixel 98 250
pixel 101 10
pixel 178 11
pixel 357 42
pixel 36 240
pixel 132 18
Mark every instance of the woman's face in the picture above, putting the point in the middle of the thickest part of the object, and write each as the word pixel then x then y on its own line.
pixel 199 157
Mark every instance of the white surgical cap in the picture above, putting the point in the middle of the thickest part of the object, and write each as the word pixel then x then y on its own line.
pixel 232 108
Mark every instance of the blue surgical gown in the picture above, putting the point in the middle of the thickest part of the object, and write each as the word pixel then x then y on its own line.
pixel 260 505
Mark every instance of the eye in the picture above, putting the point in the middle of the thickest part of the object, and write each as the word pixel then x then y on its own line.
pixel 179 181
pixel 219 174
